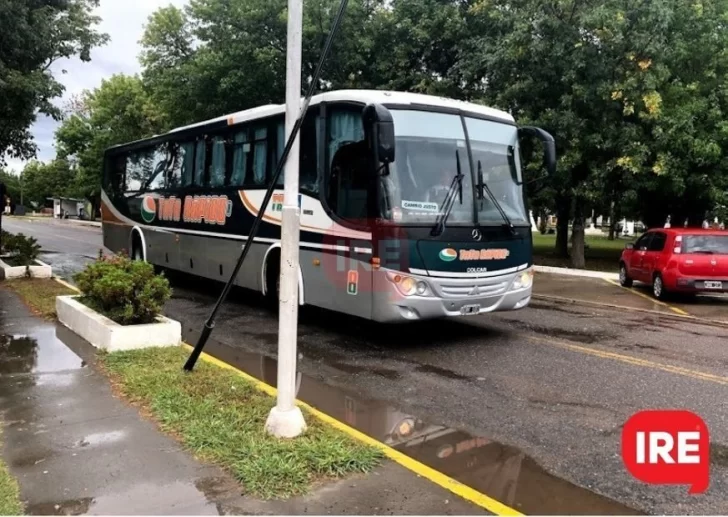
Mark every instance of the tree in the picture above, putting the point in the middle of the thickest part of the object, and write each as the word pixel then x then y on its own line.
pixel 216 57
pixel 119 111
pixel 12 187
pixel 599 75
pixel 45 180
pixel 34 35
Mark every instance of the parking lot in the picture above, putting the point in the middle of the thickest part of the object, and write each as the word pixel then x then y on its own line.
pixel 525 406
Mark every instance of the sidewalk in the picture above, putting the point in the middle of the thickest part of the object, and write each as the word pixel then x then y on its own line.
pixel 76 449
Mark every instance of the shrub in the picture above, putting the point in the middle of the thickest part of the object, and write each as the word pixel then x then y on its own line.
pixel 21 249
pixel 126 291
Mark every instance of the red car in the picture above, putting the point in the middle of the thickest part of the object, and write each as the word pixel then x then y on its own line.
pixel 677 260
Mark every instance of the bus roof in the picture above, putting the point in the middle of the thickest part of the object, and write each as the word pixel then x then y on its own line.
pixel 365 97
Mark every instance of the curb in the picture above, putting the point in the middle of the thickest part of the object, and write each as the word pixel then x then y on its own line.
pixel 576 272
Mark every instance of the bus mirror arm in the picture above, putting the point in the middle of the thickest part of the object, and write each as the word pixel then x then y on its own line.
pixel 549 146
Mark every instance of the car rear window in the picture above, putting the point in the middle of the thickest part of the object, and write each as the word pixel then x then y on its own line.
pixel 709 244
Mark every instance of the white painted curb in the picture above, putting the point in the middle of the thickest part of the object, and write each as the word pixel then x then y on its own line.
pixel 576 272
pixel 106 334
pixel 42 270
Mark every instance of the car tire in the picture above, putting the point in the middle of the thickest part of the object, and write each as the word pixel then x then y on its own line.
pixel 624 279
pixel 658 287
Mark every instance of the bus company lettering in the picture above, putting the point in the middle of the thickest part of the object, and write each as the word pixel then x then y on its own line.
pixel 169 209
pixel 207 209
pixel 486 254
pixel 276 202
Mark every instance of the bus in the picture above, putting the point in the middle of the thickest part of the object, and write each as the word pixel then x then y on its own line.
pixel 411 206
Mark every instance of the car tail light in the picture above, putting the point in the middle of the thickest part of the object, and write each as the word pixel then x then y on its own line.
pixel 678 245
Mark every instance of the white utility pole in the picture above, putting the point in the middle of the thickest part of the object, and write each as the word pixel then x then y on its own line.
pixel 286 420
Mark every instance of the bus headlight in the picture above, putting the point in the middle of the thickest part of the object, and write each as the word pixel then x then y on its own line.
pixel 523 280
pixel 409 286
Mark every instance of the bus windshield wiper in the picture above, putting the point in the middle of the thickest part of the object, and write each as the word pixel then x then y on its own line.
pixel 483 187
pixel 457 181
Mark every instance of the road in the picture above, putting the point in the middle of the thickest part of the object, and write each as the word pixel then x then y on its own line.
pixel 552 384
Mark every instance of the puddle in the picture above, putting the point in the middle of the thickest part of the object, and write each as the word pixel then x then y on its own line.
pixel 498 470
pixel 39 351
pixel 101 438
pixel 70 507
pixel 572 335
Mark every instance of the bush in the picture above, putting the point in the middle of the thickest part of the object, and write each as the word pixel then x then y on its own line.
pixel 21 249
pixel 126 291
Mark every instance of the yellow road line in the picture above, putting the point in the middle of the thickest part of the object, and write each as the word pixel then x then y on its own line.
pixel 649 298
pixel 66 284
pixel 440 479
pixel 694 374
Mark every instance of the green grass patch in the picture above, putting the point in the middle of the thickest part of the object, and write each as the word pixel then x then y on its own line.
pixel 9 493
pixel 220 417
pixel 39 294
pixel 600 254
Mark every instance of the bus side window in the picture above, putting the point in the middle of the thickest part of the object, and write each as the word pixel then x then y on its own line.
pixel 241 154
pixel 187 161
pixel 200 162
pixel 308 166
pixel 260 157
pixel 347 188
pixel 217 167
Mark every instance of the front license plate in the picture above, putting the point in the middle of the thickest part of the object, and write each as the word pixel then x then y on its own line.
pixel 469 309
pixel 713 285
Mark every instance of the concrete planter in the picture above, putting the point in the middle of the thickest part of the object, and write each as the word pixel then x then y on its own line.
pixel 106 334
pixel 40 270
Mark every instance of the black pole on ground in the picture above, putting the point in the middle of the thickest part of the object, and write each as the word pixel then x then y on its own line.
pixel 210 323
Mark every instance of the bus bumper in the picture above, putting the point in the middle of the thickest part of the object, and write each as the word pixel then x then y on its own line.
pixel 447 297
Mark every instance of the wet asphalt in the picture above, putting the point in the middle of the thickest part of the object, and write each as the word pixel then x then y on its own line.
pixel 553 384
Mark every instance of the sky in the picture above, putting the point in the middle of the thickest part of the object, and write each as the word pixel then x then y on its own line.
pixel 123 21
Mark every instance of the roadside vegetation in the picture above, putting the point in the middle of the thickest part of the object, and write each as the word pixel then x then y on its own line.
pixel 39 294
pixel 600 253
pixel 9 493
pixel 124 290
pixel 19 250
pixel 220 417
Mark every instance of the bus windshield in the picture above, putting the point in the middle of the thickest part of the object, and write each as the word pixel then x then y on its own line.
pixel 429 146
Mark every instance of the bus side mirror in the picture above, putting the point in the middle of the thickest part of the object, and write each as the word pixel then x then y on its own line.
pixel 549 146
pixel 379 127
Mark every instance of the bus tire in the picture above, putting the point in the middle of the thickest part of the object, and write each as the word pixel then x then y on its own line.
pixel 137 248
pixel 272 277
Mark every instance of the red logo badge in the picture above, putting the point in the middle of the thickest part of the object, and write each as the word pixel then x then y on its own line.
pixel 668 448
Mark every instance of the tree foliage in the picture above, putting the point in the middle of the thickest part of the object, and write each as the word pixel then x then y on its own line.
pixel 41 181
pixel 117 112
pixel 34 35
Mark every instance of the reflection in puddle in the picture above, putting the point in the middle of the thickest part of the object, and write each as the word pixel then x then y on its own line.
pixel 498 470
pixel 37 352
pixel 102 438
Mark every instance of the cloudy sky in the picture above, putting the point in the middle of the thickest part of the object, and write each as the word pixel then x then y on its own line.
pixel 124 21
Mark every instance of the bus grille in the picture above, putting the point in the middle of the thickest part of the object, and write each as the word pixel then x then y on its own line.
pixel 462 290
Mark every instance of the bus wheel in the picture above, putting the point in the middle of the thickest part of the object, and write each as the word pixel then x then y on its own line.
pixel 273 278
pixel 136 249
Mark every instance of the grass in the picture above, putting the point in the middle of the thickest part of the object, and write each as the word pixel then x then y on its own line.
pixel 9 493
pixel 601 254
pixel 39 293
pixel 220 417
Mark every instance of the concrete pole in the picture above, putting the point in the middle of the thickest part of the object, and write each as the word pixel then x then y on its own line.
pixel 286 420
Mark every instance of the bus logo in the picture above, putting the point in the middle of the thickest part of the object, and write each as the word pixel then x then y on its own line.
pixel 448 255
pixel 149 209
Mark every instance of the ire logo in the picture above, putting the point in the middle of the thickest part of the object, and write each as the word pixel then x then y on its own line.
pixel 668 448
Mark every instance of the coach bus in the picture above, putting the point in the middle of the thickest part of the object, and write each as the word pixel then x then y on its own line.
pixel 412 206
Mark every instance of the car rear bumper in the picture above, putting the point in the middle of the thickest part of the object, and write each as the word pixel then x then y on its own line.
pixel 698 284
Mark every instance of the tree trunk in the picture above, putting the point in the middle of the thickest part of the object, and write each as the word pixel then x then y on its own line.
pixel 563 211
pixel 577 237
pixel 612 220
